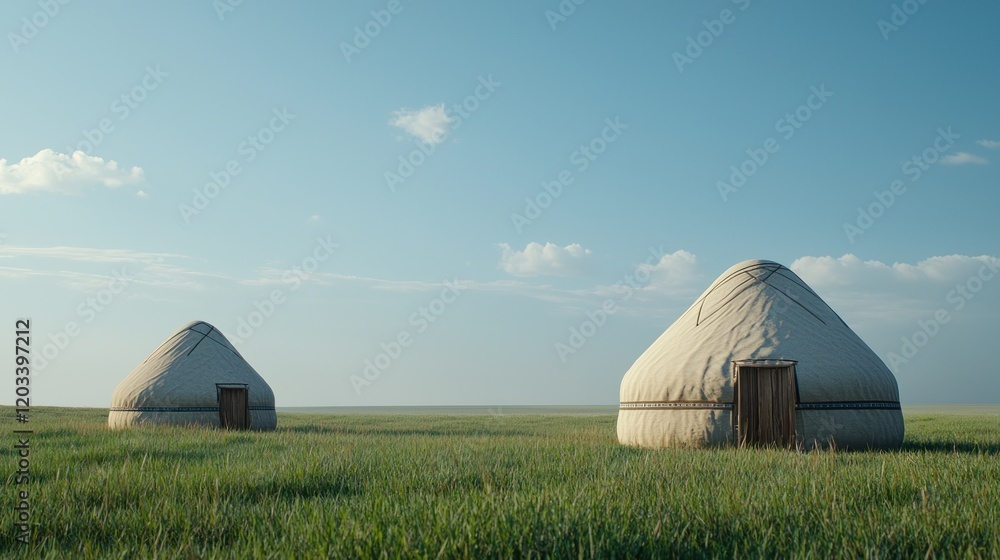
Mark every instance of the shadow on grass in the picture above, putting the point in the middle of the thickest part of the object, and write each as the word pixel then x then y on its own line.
pixel 951 447
pixel 317 485
pixel 476 431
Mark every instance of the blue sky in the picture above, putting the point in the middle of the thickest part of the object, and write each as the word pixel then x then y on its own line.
pixel 250 164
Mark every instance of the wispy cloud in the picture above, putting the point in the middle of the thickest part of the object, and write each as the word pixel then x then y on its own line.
pixel 72 279
pixel 430 124
pixel 661 287
pixel 963 158
pixel 272 276
pixel 50 171
pixel 546 260
pixel 83 268
pixel 992 144
pixel 88 254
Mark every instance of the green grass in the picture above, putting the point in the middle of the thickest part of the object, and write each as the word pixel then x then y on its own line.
pixel 494 486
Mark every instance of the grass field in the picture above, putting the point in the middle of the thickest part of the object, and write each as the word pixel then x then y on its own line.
pixel 494 485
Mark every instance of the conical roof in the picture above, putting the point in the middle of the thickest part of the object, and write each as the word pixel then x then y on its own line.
pixel 178 383
pixel 680 390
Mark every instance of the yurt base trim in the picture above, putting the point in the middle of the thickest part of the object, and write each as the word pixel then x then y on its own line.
pixel 884 405
pixel 674 404
pixel 848 405
pixel 848 426
pixel 181 409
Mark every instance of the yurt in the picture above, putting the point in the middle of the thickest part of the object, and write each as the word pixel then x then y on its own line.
pixel 760 360
pixel 196 377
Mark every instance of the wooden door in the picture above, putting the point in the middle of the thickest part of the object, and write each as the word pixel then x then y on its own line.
pixel 234 408
pixel 765 405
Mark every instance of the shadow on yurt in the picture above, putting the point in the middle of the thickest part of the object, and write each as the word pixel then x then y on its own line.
pixel 760 360
pixel 196 377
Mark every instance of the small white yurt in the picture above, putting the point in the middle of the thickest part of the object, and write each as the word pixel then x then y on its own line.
pixel 195 377
pixel 759 359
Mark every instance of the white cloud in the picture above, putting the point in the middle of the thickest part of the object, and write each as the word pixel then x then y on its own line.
pixel 142 194
pixel 894 305
pixel 545 260
pixel 993 144
pixel 849 270
pixel 963 158
pixel 675 274
pixel 661 286
pixel 50 171
pixel 879 293
pixel 430 124
pixel 314 219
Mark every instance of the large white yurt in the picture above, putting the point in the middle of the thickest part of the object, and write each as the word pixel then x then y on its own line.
pixel 196 377
pixel 760 359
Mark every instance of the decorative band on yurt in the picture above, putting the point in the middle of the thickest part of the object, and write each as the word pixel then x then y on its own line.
pixel 675 404
pixel 877 405
pixel 695 405
pixel 178 408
